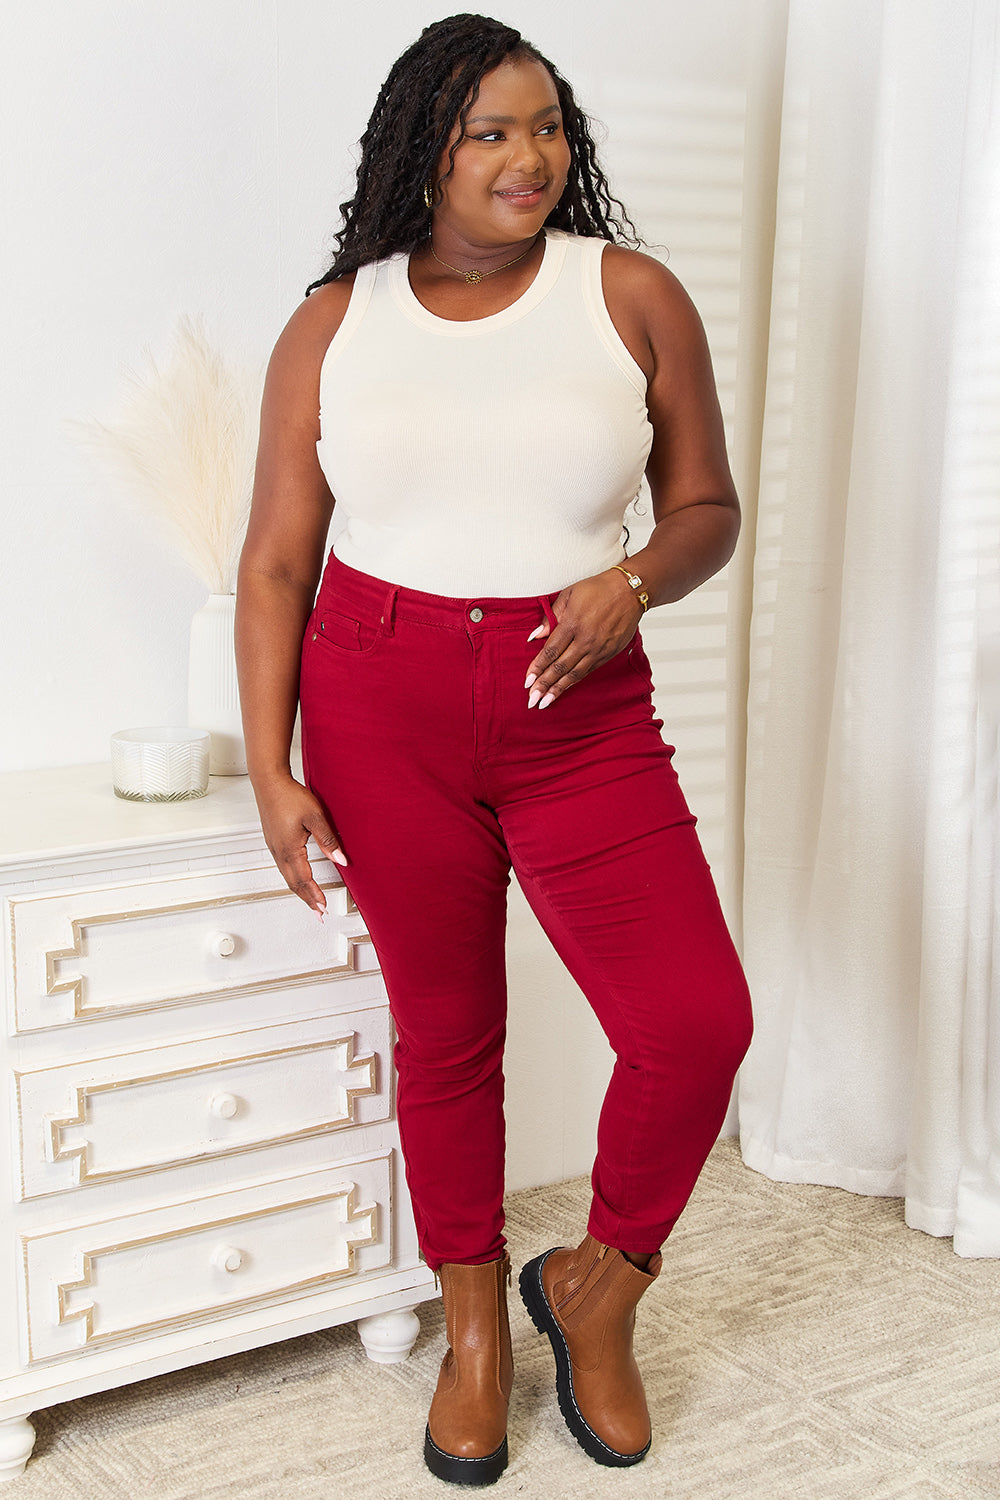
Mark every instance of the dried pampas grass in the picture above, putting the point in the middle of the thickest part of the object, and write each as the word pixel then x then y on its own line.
pixel 183 446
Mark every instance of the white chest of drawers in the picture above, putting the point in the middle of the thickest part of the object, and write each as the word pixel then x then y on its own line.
pixel 198 1153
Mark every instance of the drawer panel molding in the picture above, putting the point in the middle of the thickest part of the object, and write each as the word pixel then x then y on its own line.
pixel 81 955
pixel 95 1120
pixel 144 1273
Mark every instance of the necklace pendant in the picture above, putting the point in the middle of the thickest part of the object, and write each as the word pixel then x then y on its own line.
pixel 472 277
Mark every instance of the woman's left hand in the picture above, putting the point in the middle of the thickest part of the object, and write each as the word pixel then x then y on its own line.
pixel 597 618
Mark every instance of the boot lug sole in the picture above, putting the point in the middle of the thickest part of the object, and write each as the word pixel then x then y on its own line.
pixel 456 1470
pixel 535 1300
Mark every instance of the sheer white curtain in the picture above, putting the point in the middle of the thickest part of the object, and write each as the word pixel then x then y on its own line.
pixel 872 850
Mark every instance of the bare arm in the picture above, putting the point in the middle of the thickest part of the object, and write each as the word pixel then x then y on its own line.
pixel 279 572
pixel 694 500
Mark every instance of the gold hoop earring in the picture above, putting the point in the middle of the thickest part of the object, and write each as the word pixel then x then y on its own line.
pixel 428 195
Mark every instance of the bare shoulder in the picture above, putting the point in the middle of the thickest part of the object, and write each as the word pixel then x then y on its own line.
pixel 645 285
pixel 654 315
pixel 306 336
pixel 291 389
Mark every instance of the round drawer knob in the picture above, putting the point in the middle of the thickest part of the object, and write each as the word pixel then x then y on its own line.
pixel 227 1258
pixel 222 944
pixel 224 1106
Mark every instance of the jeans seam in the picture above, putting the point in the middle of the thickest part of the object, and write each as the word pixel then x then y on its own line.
pixel 519 866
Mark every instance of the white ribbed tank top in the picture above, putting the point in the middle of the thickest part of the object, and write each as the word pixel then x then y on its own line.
pixel 491 458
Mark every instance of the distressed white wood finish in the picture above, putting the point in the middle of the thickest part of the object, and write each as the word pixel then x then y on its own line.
pixel 128 1276
pixel 172 942
pixel 95 1119
pixel 200 1153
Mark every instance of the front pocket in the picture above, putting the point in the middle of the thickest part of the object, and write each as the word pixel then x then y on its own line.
pixel 343 633
pixel 338 630
pixel 637 659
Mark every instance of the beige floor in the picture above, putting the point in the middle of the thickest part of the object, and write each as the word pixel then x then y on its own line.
pixel 801 1342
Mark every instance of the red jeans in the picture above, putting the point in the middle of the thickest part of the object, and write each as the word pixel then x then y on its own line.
pixel 418 740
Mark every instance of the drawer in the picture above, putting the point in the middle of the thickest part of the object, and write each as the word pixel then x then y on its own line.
pixel 98 1119
pixel 142 1274
pixel 83 954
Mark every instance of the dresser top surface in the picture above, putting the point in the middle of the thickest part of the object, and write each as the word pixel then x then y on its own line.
pixel 64 811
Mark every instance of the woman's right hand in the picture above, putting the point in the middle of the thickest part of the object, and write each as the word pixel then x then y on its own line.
pixel 290 815
pixel 280 568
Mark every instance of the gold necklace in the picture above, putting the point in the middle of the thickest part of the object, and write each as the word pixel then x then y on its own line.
pixel 473 277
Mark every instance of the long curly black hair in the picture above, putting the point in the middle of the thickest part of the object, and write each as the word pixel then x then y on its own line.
pixel 434 83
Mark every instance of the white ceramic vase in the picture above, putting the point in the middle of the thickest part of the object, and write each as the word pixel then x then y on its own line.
pixel 213 696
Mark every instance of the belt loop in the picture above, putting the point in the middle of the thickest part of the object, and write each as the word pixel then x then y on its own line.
pixel 389 611
pixel 543 600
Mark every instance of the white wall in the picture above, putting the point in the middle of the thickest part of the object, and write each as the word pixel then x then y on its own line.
pixel 188 156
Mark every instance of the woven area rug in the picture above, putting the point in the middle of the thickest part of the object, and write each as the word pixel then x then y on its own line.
pixel 801 1342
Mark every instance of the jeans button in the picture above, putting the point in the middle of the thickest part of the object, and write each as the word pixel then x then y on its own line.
pixel 475 615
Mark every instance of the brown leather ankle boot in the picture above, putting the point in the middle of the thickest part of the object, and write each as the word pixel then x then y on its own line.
pixel 466 1440
pixel 585 1301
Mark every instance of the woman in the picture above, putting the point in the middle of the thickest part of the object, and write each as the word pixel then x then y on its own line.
pixel 495 374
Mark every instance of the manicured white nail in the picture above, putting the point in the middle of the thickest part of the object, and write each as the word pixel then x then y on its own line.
pixel 339 857
pixel 549 698
pixel 320 914
pixel 533 697
pixel 529 680
pixel 538 632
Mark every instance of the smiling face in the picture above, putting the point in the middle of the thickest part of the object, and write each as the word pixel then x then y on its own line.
pixel 510 170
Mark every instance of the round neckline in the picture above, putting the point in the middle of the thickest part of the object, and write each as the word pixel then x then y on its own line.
pixel 553 255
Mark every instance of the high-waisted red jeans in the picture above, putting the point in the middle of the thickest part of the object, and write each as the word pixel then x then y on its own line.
pixel 418 740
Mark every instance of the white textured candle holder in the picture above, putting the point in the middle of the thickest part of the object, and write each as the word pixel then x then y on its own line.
pixel 160 765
